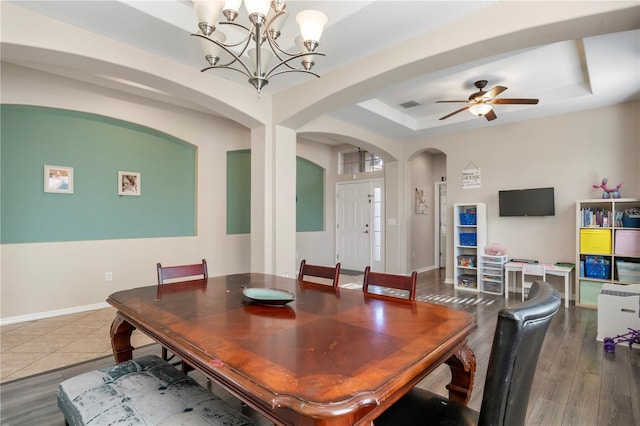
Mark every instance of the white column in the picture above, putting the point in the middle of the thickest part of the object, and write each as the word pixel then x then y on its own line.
pixel 273 200
pixel 285 201
pixel 261 200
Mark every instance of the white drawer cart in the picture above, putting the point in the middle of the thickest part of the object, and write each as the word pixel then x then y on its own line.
pixel 492 273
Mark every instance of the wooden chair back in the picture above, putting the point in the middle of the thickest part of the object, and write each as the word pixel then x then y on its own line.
pixel 196 270
pixel 329 272
pixel 192 271
pixel 399 282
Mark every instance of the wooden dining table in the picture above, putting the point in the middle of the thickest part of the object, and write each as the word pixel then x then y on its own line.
pixel 331 356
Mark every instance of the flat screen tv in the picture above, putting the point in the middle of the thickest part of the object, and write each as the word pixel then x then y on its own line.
pixel 527 202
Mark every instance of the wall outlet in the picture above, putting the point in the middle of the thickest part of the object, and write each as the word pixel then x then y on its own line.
pixel 108 276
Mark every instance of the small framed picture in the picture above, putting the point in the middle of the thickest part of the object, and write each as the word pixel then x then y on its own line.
pixel 128 183
pixel 58 179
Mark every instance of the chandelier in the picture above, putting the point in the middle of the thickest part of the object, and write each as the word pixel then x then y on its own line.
pixel 258 40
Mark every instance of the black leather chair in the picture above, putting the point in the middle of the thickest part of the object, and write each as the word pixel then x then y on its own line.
pixel 518 338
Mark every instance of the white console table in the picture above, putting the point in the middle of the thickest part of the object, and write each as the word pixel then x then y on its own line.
pixel 562 271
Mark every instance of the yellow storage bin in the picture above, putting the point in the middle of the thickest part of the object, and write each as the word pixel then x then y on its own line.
pixel 589 291
pixel 596 241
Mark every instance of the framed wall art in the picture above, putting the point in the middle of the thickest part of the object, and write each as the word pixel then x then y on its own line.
pixel 58 179
pixel 129 183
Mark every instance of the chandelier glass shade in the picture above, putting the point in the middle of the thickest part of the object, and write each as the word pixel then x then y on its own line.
pixel 480 109
pixel 257 45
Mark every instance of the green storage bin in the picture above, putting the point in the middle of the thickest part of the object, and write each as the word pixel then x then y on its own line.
pixel 589 291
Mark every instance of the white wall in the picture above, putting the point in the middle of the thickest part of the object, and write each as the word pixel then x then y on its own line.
pixel 53 278
pixel 570 152
pixel 425 169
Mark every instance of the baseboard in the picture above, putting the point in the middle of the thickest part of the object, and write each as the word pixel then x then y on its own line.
pixel 425 269
pixel 49 314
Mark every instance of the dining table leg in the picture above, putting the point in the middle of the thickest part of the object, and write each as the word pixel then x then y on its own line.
pixel 463 371
pixel 121 331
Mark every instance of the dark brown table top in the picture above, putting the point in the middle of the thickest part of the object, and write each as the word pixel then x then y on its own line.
pixel 331 356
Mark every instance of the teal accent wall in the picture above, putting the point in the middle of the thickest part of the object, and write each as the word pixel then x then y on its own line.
pixel 239 192
pixel 97 148
pixel 309 196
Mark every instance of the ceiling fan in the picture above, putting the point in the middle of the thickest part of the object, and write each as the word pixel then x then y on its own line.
pixel 480 102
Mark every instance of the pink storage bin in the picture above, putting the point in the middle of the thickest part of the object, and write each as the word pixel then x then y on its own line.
pixel 627 242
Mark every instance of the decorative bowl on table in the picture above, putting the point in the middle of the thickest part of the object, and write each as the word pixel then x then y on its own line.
pixel 268 296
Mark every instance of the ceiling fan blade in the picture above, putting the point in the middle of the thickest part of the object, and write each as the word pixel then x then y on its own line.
pixel 494 92
pixel 514 101
pixel 491 115
pixel 455 112
pixel 442 102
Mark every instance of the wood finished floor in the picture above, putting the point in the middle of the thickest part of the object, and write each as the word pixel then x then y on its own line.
pixel 576 381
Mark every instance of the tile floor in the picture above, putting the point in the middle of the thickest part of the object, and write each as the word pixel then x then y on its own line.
pixel 32 347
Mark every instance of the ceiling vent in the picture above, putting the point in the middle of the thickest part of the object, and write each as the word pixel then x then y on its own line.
pixel 409 104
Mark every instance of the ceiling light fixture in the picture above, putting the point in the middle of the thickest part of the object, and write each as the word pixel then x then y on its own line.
pixel 480 109
pixel 266 20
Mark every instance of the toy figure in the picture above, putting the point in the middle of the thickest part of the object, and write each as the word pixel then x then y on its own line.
pixel 609 192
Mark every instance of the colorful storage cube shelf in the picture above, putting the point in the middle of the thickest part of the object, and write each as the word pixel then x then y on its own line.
pixel 595 241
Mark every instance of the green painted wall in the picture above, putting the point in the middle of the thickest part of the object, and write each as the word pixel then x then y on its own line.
pixel 239 192
pixel 97 148
pixel 309 196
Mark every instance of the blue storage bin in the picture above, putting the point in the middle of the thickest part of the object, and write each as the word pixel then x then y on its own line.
pixel 467 218
pixel 468 239
pixel 630 222
pixel 596 267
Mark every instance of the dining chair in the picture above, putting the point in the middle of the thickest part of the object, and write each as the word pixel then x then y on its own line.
pixel 173 273
pixel 328 272
pixel 531 272
pixel 399 282
pixel 517 341
pixel 196 270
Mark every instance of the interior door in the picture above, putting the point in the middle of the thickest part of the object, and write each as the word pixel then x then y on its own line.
pixel 354 227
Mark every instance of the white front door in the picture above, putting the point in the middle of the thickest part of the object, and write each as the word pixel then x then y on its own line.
pixel 354 225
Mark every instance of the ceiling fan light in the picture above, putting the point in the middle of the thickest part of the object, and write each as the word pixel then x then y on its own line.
pixel 311 23
pixel 480 109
